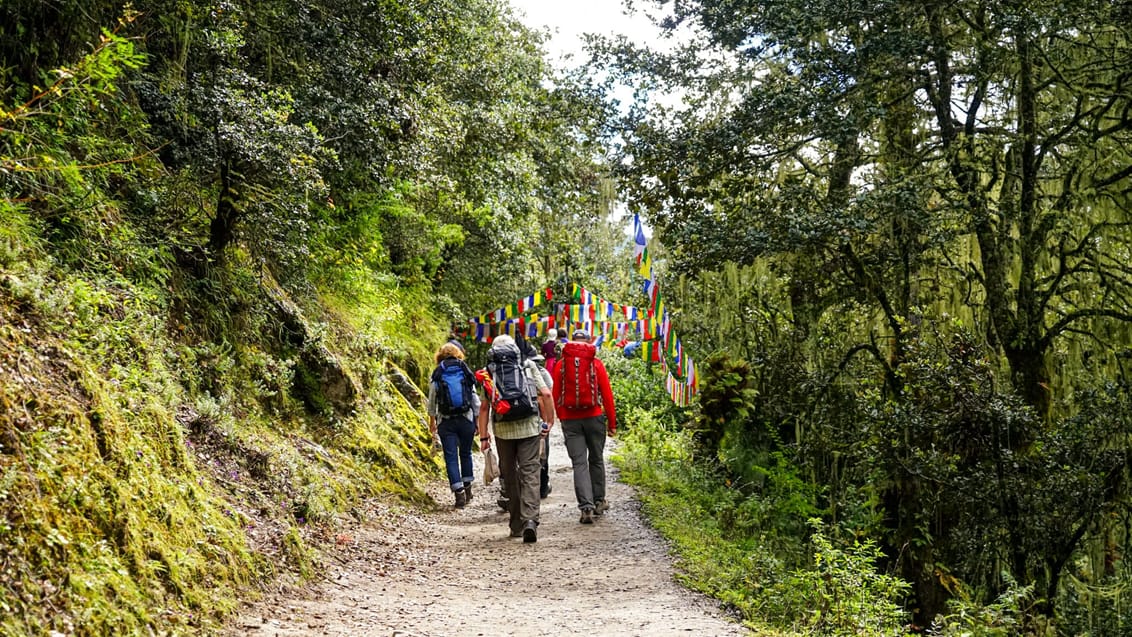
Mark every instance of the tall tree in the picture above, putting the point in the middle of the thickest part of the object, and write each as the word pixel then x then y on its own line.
pixel 856 137
pixel 914 163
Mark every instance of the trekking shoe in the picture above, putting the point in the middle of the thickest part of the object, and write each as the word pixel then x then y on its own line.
pixel 545 492
pixel 600 507
pixel 587 516
pixel 468 492
pixel 530 532
pixel 461 499
pixel 516 532
pixel 503 503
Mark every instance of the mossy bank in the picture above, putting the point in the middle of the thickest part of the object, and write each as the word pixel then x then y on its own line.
pixel 168 442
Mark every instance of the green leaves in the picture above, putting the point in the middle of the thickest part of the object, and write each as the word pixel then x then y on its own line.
pixel 66 106
pixel 845 594
pixel 935 190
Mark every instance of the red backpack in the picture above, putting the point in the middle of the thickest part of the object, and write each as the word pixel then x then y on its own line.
pixel 575 372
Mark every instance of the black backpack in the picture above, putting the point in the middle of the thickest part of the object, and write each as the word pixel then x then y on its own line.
pixel 511 384
pixel 455 386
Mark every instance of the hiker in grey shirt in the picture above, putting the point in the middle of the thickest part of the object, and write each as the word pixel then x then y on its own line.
pixel 516 438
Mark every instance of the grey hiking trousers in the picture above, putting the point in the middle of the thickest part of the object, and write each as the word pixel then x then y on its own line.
pixel 585 442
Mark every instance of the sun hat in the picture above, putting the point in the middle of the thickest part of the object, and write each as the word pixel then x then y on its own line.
pixel 503 341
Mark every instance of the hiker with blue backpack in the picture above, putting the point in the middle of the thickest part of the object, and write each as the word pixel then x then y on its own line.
pixel 452 407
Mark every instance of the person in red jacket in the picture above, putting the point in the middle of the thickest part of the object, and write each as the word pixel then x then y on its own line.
pixel 583 401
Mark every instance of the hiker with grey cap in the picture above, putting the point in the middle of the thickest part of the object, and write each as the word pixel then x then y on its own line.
pixel 584 403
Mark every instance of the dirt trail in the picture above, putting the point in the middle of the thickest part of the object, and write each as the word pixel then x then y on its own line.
pixel 455 572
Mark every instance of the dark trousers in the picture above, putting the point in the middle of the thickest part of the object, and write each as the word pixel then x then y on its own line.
pixel 544 470
pixel 456 436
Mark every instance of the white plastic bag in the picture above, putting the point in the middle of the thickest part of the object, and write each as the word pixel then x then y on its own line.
pixel 490 465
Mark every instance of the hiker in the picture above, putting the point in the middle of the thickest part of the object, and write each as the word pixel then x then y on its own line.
pixel 544 445
pixel 527 351
pixel 631 349
pixel 452 407
pixel 559 343
pixel 548 346
pixel 584 402
pixel 514 415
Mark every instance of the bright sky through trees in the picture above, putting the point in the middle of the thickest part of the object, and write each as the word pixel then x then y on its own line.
pixel 568 21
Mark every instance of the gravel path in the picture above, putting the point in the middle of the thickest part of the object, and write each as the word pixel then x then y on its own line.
pixel 456 572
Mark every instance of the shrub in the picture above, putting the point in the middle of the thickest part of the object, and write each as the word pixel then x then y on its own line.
pixel 842 593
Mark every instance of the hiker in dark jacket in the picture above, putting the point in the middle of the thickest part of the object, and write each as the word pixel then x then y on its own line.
pixel 455 429
pixel 548 346
pixel 544 488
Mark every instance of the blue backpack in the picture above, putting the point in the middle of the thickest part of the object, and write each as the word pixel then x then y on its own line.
pixel 454 387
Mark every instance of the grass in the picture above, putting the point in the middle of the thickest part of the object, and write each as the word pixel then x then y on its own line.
pixel 657 460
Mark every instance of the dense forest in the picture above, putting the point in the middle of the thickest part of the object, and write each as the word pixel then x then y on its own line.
pixel 896 235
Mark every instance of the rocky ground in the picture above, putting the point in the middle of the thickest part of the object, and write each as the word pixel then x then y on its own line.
pixel 456 572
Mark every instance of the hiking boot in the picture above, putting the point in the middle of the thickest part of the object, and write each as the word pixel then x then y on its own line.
pixel 587 516
pixel 504 504
pixel 461 499
pixel 468 492
pixel 600 507
pixel 530 532
pixel 545 492
pixel 516 532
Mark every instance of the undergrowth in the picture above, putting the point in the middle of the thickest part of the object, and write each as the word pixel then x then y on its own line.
pixel 729 545
pixel 156 457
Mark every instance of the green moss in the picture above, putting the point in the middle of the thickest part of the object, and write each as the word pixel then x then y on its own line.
pixel 297 553
pixel 155 458
pixel 106 531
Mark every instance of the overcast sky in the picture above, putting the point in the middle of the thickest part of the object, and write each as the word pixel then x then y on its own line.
pixel 567 22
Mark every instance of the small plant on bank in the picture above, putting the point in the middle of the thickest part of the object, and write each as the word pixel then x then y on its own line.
pixel 1002 618
pixel 842 593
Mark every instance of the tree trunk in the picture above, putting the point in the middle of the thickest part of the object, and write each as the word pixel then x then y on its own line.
pixel 913 559
pixel 1014 309
pixel 1030 376
pixel 223 227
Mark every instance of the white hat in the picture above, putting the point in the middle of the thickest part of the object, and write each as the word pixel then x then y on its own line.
pixel 503 341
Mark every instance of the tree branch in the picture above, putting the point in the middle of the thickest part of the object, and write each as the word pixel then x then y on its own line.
pixel 1067 320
